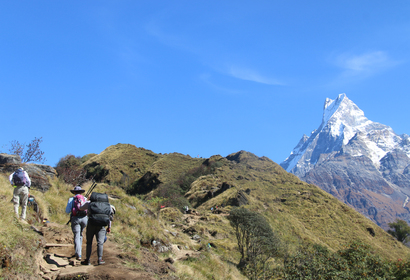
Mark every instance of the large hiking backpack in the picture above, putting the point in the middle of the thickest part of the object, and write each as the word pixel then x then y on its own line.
pixel 19 178
pixel 77 202
pixel 99 210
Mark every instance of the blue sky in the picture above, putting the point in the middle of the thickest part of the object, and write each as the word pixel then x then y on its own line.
pixel 196 77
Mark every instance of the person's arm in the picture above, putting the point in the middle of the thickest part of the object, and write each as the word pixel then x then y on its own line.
pixel 109 227
pixel 11 179
pixel 69 205
pixel 85 205
pixel 28 179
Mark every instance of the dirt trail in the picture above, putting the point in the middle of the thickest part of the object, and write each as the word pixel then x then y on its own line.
pixel 59 263
pixel 58 260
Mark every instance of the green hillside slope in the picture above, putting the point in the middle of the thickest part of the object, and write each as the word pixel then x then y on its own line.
pixel 200 244
pixel 299 211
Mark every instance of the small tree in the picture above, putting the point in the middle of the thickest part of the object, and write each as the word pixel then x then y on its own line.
pixel 401 230
pixel 30 152
pixel 257 242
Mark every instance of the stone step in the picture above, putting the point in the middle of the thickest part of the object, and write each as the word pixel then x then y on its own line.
pixel 58 245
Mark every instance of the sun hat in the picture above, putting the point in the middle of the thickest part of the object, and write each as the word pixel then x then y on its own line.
pixel 77 189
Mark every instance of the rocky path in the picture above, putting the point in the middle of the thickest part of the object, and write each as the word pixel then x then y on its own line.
pixel 58 261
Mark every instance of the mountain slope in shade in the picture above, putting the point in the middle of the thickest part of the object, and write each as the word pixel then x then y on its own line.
pixel 362 163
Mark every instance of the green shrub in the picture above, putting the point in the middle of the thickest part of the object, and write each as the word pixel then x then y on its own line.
pixel 401 230
pixel 257 242
pixel 356 261
pixel 173 196
pixel 70 171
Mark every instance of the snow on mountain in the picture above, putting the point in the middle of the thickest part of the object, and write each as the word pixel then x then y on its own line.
pixel 360 162
pixel 342 120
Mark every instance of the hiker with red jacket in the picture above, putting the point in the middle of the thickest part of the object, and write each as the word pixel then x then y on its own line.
pixel 99 212
pixel 21 183
pixel 78 218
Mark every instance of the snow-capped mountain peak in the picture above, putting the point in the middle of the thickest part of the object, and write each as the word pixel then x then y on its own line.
pixel 362 163
pixel 342 120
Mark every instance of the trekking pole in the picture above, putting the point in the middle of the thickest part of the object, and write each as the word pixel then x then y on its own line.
pixel 90 190
pixel 69 221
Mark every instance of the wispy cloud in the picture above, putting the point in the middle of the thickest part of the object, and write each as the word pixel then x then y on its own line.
pixel 207 79
pixel 155 29
pixel 365 64
pixel 251 75
pixel 209 57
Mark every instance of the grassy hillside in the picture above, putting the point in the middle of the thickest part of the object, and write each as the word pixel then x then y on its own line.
pixel 299 212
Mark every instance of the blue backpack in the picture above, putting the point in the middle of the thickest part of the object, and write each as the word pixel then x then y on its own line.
pixel 19 178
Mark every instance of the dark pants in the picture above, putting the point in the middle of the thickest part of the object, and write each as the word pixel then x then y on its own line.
pixel 99 233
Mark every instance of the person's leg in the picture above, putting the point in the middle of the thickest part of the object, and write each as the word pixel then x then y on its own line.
pixel 89 236
pixel 76 228
pixel 24 199
pixel 100 243
pixel 83 225
pixel 16 200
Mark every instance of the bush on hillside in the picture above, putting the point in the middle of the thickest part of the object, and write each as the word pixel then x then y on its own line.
pixel 400 230
pixel 257 242
pixel 313 262
pixel 185 181
pixel 356 261
pixel 70 171
pixel 173 196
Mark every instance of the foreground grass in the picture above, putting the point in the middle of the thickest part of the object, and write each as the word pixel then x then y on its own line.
pixel 134 224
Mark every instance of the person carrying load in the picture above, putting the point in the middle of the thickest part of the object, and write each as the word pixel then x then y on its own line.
pixel 99 213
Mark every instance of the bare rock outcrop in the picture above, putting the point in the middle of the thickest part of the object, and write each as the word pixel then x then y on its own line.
pixel 40 175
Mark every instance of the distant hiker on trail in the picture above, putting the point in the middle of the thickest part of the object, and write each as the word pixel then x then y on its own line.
pixel 78 218
pixel 21 182
pixel 99 211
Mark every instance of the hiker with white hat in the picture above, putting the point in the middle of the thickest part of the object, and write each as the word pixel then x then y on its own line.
pixel 78 218
pixel 21 183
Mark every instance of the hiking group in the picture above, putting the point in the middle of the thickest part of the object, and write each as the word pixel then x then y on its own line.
pixel 94 213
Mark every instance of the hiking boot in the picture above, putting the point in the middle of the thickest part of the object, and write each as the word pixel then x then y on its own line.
pixel 77 257
pixel 86 262
pixel 100 262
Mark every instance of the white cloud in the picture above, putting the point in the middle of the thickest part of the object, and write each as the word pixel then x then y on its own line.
pixel 251 75
pixel 364 65
pixel 207 79
pixel 357 67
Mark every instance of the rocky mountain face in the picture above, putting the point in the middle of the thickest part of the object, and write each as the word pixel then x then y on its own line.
pixel 362 163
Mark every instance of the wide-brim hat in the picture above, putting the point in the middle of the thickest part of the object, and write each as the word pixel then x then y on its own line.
pixel 77 189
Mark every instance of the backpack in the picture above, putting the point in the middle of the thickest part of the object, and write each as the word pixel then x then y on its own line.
pixel 99 210
pixel 19 178
pixel 77 202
